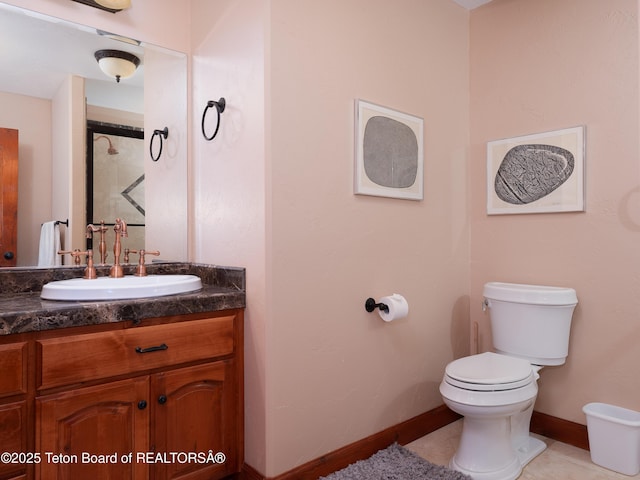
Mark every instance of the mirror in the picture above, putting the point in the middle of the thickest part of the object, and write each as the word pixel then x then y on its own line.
pixel 50 87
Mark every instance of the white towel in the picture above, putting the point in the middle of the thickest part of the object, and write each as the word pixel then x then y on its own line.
pixel 49 245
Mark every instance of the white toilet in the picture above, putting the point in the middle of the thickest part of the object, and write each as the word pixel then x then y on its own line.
pixel 495 392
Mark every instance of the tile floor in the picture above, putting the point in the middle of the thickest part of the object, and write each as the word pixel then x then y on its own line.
pixel 558 462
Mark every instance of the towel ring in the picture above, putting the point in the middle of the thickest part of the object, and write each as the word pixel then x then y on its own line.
pixel 159 133
pixel 220 106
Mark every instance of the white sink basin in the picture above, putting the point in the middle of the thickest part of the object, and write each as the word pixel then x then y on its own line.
pixel 127 287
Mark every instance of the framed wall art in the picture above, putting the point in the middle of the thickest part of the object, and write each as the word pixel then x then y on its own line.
pixel 389 157
pixel 537 173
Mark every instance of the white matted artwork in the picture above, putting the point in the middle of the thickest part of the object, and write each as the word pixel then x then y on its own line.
pixel 389 157
pixel 538 173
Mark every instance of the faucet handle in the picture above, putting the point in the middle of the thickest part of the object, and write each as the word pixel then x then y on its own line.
pixel 74 253
pixel 89 272
pixel 141 269
pixel 127 252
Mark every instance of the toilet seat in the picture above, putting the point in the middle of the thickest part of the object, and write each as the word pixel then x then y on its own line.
pixel 489 372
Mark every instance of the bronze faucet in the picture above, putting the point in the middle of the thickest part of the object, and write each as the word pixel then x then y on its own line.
pixel 141 269
pixel 102 246
pixel 120 228
pixel 75 254
pixel 90 270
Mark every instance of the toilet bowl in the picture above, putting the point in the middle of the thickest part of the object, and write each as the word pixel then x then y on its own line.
pixel 490 391
pixel 495 391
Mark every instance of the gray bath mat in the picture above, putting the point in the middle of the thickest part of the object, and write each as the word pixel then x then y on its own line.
pixel 395 463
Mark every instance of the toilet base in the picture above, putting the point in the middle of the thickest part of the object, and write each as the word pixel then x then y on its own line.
pixel 524 455
pixel 510 472
pixel 528 452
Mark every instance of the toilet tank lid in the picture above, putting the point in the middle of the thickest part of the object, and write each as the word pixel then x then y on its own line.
pixel 531 294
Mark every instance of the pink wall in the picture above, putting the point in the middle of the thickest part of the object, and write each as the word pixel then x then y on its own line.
pixel 336 373
pixel 230 177
pixel 545 65
pixel 274 193
pixel 166 104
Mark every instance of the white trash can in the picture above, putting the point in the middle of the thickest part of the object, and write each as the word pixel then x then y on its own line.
pixel 614 437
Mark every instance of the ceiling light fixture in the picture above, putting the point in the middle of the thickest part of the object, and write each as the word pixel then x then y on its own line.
pixel 117 64
pixel 115 4
pixel 112 6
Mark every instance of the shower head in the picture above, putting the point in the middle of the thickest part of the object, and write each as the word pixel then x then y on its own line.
pixel 111 150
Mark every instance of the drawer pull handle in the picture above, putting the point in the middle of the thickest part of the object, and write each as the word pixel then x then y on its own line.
pixel 142 404
pixel 164 346
pixel 162 399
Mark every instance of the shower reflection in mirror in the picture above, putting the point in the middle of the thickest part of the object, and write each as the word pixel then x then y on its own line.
pixel 115 178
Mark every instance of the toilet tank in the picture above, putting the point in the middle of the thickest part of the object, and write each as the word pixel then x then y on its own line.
pixel 531 321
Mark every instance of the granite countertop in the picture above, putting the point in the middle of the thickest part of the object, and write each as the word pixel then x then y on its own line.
pixel 22 310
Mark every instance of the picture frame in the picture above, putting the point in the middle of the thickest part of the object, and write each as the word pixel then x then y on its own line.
pixel 537 173
pixel 389 153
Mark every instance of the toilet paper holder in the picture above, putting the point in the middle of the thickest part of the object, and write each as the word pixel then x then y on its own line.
pixel 370 305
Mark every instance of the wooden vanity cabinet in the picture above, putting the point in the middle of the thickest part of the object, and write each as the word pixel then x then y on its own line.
pixel 14 418
pixel 163 400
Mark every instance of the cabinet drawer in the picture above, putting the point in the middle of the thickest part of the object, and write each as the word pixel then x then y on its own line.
pixel 13 365
pixel 92 356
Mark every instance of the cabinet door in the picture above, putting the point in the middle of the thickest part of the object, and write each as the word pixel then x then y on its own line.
pixel 14 424
pixel 13 365
pixel 13 436
pixel 85 433
pixel 196 413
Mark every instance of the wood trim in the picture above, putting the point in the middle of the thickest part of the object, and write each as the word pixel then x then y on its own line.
pixel 406 432
pixel 403 433
pixel 250 473
pixel 561 430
